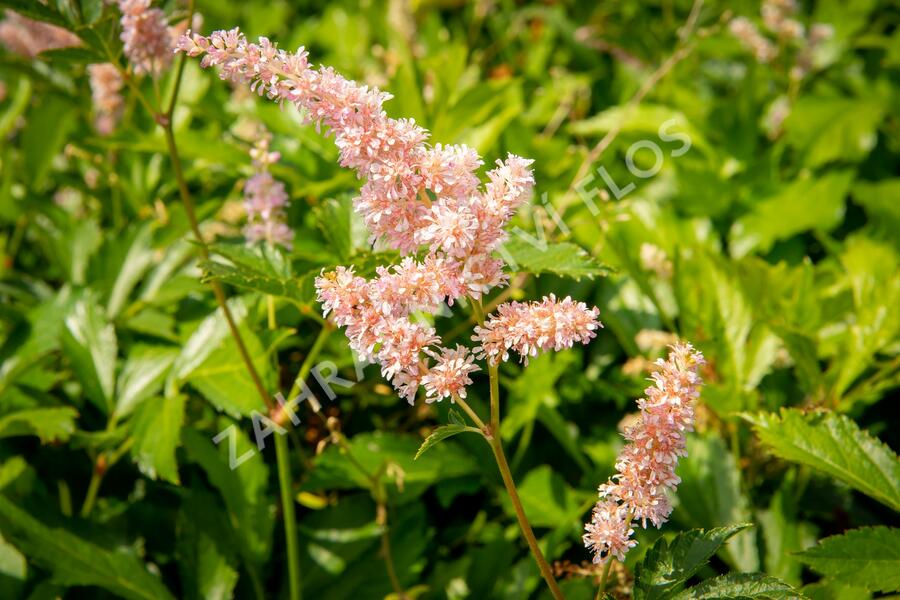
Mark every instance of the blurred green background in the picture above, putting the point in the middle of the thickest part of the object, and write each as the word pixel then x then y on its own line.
pixel 757 217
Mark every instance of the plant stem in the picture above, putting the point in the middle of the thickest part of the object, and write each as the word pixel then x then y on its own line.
pixel 93 487
pixel 389 560
pixel 281 448
pixel 497 447
pixel 604 577
pixel 472 414
pixel 270 309
pixel 290 520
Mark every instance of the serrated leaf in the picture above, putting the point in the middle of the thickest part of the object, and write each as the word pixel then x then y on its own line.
pixel 89 342
pixel 250 279
pixel 564 259
pixel 668 565
pixel 835 445
pixel 75 561
pixel 442 433
pixel 157 434
pixel 867 557
pixel 740 585
pixel 49 424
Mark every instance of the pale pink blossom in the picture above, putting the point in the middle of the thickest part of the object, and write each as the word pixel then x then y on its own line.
pixel 146 37
pixel 450 374
pixel 265 198
pixel 414 197
pixel 646 466
pixel 529 328
pixel 106 93
pixel 609 531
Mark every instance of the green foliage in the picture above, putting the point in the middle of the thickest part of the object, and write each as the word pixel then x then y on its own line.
pixel 77 562
pixel 868 557
pixel 740 585
pixel 835 445
pixel 749 208
pixel 668 565
pixel 440 434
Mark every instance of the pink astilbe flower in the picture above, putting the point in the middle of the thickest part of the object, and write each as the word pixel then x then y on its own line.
pixel 646 465
pixel 400 169
pixel 106 93
pixel 416 198
pixel 609 531
pixel 265 198
pixel 528 328
pixel 450 374
pixel 26 37
pixel 146 37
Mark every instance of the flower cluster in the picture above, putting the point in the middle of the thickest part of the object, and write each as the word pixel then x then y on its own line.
pixel 146 36
pixel 26 37
pixel 415 197
pixel 646 465
pixel 746 32
pixel 778 19
pixel 106 93
pixel 265 198
pixel 530 327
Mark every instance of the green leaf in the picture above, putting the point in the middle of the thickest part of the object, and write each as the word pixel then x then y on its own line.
pixel 379 450
pixel 668 565
pixel 740 585
pixel 75 561
pixel 208 335
pixel 136 262
pixel 37 11
pixel 814 203
pixel 835 445
pixel 75 55
pixel 251 512
pixel 644 119
pixel 710 496
pixel 868 557
pixel 157 434
pixel 12 563
pixel 251 279
pixel 343 228
pixel 561 258
pixel 205 552
pixel 89 342
pixel 49 424
pixel 549 501
pixel 879 199
pixel 142 376
pixel 440 434
pixel 223 378
pixel 46 131
pixel 834 129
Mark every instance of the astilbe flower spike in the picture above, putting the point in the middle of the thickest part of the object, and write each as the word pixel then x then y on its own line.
pixel 146 36
pixel 265 198
pixel 550 324
pixel 646 465
pixel 106 93
pixel 414 196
